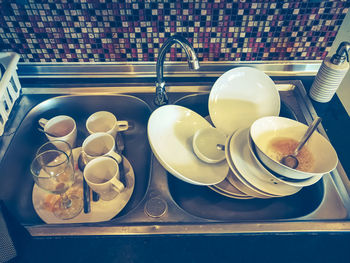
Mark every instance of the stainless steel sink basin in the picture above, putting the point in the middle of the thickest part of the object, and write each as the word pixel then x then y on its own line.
pixel 17 189
pixel 162 204
pixel 204 203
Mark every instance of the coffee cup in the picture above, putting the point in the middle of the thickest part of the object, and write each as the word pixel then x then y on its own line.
pixel 104 121
pixel 99 144
pixel 61 127
pixel 102 175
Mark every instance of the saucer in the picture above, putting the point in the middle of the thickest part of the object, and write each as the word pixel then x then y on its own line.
pixel 100 210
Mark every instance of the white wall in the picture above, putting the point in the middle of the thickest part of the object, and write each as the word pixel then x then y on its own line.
pixel 343 35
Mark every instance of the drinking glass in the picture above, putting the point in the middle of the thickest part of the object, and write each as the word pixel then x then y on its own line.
pixel 53 171
pixel 57 145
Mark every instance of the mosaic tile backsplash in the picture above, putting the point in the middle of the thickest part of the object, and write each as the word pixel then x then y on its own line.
pixel 131 30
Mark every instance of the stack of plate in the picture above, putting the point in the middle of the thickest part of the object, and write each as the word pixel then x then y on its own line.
pixel 248 175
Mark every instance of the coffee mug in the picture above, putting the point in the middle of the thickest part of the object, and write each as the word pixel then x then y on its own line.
pixel 62 127
pixel 99 144
pixel 104 121
pixel 102 175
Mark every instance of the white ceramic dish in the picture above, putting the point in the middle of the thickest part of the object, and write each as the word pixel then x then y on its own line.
pixel 239 182
pixel 224 193
pixel 240 96
pixel 170 132
pixel 265 129
pixel 294 182
pixel 205 143
pixel 251 171
pixel 100 210
pixel 226 187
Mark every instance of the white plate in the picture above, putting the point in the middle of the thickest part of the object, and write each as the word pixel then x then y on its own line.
pixel 239 182
pixel 100 210
pixel 240 96
pixel 249 169
pixel 170 133
pixel 226 187
pixel 219 191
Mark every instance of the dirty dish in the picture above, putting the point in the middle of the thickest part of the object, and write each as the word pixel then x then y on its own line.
pixel 62 127
pixel 239 182
pixel 274 136
pixel 251 171
pixel 105 121
pixel 224 193
pixel 170 132
pixel 205 143
pixel 276 177
pixel 230 190
pixel 100 210
pixel 291 160
pixel 240 96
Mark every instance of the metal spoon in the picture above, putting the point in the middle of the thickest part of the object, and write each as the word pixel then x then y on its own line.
pixel 48 133
pixel 120 146
pixel 86 187
pixel 291 160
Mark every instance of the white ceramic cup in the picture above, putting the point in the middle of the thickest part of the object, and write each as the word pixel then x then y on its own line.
pixel 102 175
pixel 104 121
pixel 99 144
pixel 63 127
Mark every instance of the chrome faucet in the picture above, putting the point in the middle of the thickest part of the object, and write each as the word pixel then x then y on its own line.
pixel 161 96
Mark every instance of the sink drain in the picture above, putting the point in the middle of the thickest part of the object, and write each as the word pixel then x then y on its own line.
pixel 156 207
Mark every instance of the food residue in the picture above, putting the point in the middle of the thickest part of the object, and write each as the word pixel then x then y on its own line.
pixel 280 147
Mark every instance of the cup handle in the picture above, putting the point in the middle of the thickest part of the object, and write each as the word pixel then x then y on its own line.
pixel 117 185
pixel 115 156
pixel 123 125
pixel 42 122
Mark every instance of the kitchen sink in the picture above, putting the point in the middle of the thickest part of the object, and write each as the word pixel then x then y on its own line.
pixel 17 189
pixel 161 203
pixel 205 203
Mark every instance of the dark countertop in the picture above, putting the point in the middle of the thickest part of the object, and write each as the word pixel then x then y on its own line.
pixel 336 122
pixel 291 247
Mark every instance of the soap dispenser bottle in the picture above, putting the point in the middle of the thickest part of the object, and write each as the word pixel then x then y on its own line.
pixel 330 74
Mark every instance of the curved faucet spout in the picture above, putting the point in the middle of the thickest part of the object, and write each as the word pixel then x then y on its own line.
pixel 193 63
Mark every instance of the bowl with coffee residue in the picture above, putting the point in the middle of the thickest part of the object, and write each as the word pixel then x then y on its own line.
pixel 275 137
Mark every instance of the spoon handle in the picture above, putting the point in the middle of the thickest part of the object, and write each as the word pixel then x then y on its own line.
pixel 307 134
pixel 48 133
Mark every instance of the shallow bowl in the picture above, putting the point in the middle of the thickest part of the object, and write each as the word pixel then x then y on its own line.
pixel 322 157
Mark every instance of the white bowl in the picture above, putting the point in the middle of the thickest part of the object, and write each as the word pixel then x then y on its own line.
pixel 277 177
pixel 240 96
pixel 264 130
pixel 205 143
pixel 251 171
pixel 170 132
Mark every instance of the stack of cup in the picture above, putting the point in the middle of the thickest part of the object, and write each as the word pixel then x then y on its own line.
pixel 102 170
